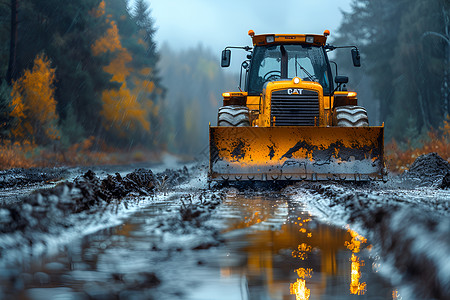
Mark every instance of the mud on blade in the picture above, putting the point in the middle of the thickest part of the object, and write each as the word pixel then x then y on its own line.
pixel 296 153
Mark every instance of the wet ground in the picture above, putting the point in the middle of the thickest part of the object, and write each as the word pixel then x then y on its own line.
pixel 117 234
pixel 254 247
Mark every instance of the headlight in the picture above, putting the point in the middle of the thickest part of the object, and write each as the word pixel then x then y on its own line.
pixel 270 39
pixel 309 39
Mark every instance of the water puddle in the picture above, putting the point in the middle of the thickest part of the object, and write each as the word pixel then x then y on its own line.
pixel 277 250
pixel 271 249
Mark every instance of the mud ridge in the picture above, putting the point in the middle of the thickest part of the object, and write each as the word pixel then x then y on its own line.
pixel 192 218
pixel 49 211
pixel 24 177
pixel 429 169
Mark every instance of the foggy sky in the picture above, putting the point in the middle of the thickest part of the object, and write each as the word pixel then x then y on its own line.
pixel 217 24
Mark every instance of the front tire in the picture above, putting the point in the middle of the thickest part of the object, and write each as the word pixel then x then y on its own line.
pixel 234 116
pixel 350 116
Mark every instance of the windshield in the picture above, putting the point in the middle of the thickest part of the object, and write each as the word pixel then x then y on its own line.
pixel 306 62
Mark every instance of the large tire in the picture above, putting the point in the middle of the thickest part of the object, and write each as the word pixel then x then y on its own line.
pixel 350 116
pixel 233 115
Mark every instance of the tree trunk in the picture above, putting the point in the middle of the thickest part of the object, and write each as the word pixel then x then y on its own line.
pixel 13 42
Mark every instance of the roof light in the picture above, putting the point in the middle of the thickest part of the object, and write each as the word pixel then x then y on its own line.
pixel 226 95
pixel 309 39
pixel 251 33
pixel 351 94
pixel 326 33
pixel 296 80
pixel 270 39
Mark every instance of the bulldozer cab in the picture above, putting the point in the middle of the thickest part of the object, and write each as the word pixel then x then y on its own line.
pixel 287 61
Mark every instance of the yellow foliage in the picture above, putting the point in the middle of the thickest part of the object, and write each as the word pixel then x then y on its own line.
pixel 109 42
pixel 146 71
pixel 142 42
pixel 99 11
pixel 15 155
pixel 121 110
pixel 118 66
pixel 124 109
pixel 144 86
pixel 33 102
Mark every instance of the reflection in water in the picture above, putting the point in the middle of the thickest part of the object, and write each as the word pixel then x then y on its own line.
pixel 396 295
pixel 273 250
pixel 287 253
pixel 299 288
pixel 355 244
pixel 302 251
pixel 356 288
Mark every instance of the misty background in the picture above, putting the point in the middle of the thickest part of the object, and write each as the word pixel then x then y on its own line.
pixel 146 74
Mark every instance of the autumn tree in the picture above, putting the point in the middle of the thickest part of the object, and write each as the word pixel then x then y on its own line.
pixel 34 105
pixel 129 110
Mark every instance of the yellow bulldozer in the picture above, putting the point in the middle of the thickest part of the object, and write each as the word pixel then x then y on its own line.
pixel 290 120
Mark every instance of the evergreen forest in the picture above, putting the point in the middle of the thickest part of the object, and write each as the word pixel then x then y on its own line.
pixel 404 80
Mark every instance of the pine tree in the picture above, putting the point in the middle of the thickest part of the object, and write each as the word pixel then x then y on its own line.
pixel 142 16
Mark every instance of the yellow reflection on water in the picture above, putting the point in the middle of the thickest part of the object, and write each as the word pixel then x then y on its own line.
pixel 299 288
pixel 356 288
pixel 396 295
pixel 313 245
pixel 355 244
pixel 302 251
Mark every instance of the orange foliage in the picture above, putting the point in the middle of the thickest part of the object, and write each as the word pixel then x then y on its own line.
pixel 15 155
pixel 400 160
pixel 109 42
pixel 99 11
pixel 121 110
pixel 145 86
pixel 34 104
pixel 118 66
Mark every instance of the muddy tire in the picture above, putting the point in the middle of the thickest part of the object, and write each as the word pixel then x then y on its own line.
pixel 233 115
pixel 350 116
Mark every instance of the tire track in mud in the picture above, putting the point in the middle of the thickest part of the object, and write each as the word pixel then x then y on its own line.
pixel 30 229
pixel 35 222
pixel 409 227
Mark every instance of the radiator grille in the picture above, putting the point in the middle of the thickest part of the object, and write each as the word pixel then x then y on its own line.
pixel 299 108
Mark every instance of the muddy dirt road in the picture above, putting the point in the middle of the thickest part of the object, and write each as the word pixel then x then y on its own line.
pixel 110 234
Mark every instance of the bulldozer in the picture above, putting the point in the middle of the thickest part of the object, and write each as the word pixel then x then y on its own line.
pixel 292 118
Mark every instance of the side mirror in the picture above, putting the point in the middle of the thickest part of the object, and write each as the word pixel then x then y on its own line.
pixel 356 57
pixel 341 79
pixel 226 58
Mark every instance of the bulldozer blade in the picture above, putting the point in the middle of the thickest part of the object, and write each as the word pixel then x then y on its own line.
pixel 296 153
